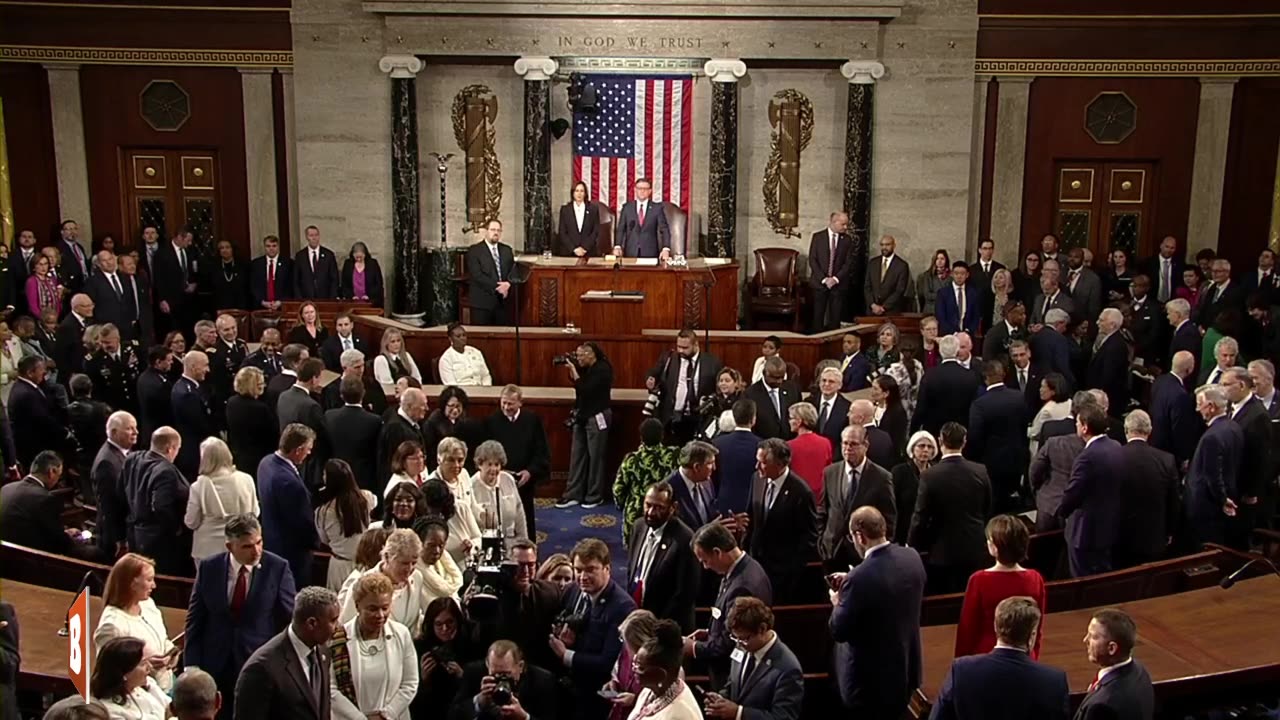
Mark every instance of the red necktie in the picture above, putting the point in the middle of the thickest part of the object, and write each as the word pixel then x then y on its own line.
pixel 642 209
pixel 271 281
pixel 242 589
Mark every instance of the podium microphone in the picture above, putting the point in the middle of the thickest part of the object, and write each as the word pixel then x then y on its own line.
pixel 65 630
pixel 1230 580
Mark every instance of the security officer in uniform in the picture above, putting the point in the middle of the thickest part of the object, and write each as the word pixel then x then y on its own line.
pixel 226 354
pixel 114 368
pixel 267 357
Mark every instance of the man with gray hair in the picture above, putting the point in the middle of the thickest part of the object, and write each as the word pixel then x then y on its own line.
pixel 404 426
pixel 1149 505
pixel 1109 365
pixel 1263 373
pixel 1225 352
pixel 945 391
pixel 1213 490
pixel 288 677
pixel 783 529
pixel 1186 335
pixel 288 528
pixel 1053 352
pixel 691 484
pixel 192 412
pixel 1255 465
pixel 1174 425
pixel 104 475
pixel 226 622
pixel 195 697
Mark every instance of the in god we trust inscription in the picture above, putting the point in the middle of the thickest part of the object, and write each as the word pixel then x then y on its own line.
pixel 627 42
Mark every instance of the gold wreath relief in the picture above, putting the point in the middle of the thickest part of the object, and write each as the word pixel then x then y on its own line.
pixel 772 170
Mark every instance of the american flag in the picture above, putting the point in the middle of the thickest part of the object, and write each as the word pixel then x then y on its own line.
pixel 642 127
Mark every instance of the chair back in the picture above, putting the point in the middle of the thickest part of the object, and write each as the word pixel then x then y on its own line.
pixel 775 271
pixel 678 222
pixel 604 241
pixel 260 320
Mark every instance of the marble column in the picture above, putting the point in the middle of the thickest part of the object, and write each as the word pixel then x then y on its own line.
pixel 1213 126
pixel 1010 160
pixel 405 214
pixel 290 155
pixel 537 73
pixel 260 152
pixel 862 76
pixel 976 146
pixel 68 145
pixel 722 183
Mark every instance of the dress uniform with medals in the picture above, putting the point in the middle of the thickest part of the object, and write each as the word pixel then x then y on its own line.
pixel 115 375
pixel 224 361
pixel 269 363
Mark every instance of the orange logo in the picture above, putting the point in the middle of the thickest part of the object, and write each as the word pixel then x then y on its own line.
pixel 78 643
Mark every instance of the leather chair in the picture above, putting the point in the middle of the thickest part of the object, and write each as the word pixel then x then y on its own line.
pixel 775 288
pixel 260 320
pixel 678 222
pixel 604 242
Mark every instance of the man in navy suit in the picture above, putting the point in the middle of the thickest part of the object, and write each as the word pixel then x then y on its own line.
pixel 830 265
pixel 832 407
pixel 1122 689
pixel 156 495
pixel 1174 425
pixel 641 230
pixel 1091 501
pixel 765 678
pixel 959 305
pixel 1109 365
pixel 692 487
pixel 853 364
pixel 315 270
pixel 1186 336
pixel 1005 684
pixel 718 552
pixel 288 530
pixel 489 263
pixel 998 422
pixel 875 622
pixel 735 461
pixel 173 284
pixel 590 654
pixel 270 276
pixel 773 395
pixel 191 411
pixel 1051 351
pixel 783 531
pixel 1256 468
pixel 946 391
pixel 1212 485
pixel 75 268
pixel 240 600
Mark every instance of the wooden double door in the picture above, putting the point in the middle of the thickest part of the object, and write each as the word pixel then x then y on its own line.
pixel 169 189
pixel 1105 206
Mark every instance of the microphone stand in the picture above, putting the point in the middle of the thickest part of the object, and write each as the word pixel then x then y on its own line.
pixel 65 630
pixel 1251 559
pixel 516 278
pixel 617 267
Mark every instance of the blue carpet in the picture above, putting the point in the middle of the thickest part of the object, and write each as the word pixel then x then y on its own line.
pixel 560 529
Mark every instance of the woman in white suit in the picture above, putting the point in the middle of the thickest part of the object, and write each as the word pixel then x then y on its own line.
pixel 219 492
pixel 376 669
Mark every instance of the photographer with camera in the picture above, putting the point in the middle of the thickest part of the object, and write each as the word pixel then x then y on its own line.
pixel 526 609
pixel 680 380
pixel 503 687
pixel 592 417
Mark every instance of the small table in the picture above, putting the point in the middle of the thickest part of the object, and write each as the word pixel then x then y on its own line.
pixel 606 312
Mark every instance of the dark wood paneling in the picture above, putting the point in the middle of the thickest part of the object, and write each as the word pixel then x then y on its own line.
pixel 282 166
pixel 113 121
pixel 1165 135
pixel 1251 171
pixel 145 28
pixel 28 128
pixel 989 160
pixel 1128 39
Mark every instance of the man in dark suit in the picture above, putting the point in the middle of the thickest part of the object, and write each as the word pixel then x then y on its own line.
pixel 1123 688
pixel 288 529
pixel 155 392
pixel 19 269
pixel 340 341
pixel 1175 428
pixel 533 689
pixel 1109 364
pixel 830 267
pixel 173 283
pixel 288 677
pixel 681 379
pixel 773 396
pixel 489 264
pixel 1148 324
pixel 1005 684
pixel 945 391
pixel 31 515
pixel 885 289
pixel 1091 501
pixel 1023 375
pixel 1165 269
pixel 1186 336
pixel 526 610
pixel 524 438
pixel 875 621
pixel 984 268
pixel 267 357
pixel 75 267
pixel 662 571
pixel 832 407
pixel 1226 352
pixel 105 475
pixel 692 484
pixel 353 434
pixel 1051 297
pixel 38 424
pixel 112 302
pixel 950 519
pixel 765 679
pixel 224 627
pixel 1212 484
pixel 1051 351
pixel 156 493
pixel 1008 331
pixel 1084 285
pixel 1222 294
pixel 641 229
pixel 719 553
pixel 270 276
pixel 1149 503
pixel 854 366
pixel 298 405
pixel 373 398
pixel 192 414
pixel 735 461
pixel 590 654
pixel 137 290
pixel 69 351
pixel 849 484
pixel 1256 468
pixel 880 448
pixel 226 354
pixel 315 270
pixel 293 355
pixel 998 422
pixel 783 529
pixel 959 305
pixel 404 426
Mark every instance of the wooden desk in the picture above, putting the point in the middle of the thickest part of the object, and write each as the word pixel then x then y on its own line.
pixel 1194 644
pixel 41 613
pixel 674 295
pixel 621 314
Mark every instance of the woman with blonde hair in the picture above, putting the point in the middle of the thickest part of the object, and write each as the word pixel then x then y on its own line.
pixel 129 611
pixel 219 492
pixel 400 563
pixel 308 331
pixel 464 526
pixel 394 361
pixel 252 432
pixel 1002 290
pixel 636 629
pixel 373 665
pixel 558 570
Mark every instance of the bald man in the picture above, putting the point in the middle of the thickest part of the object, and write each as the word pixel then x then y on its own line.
pixel 885 289
pixel 405 425
pixel 1175 428
pixel 192 412
pixel 830 271
pixel 155 492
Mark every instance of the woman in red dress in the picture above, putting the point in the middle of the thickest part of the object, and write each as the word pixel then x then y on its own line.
pixel 1007 541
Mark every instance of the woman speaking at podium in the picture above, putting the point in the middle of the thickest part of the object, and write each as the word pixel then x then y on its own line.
pixel 577 235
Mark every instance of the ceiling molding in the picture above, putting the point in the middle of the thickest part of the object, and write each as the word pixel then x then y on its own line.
pixel 137 56
pixel 1113 68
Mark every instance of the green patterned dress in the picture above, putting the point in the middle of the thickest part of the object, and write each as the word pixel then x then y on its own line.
pixel 640 469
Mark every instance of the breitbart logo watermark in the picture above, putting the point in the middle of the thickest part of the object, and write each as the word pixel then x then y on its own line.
pixel 78 643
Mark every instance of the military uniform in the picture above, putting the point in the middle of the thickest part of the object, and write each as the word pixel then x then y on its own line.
pixel 115 379
pixel 224 361
pixel 270 365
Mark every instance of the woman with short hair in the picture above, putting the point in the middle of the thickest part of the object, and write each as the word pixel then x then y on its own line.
pixel 464 528
pixel 636 630
pixel 219 493
pixel 373 665
pixel 399 562
pixel 122 683
pixel 1054 394
pixel 810 450
pixel 252 431
pixel 497 495
pixel 922 449
pixel 408 465
pixel 1007 541
pixel 664 694
pixel 129 611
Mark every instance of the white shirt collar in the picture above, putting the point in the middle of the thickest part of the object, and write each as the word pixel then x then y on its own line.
pixel 123 450
pixel 302 650
pixel 190 379
pixel 993 386
pixel 1002 646
pixel 236 565
pixel 849 469
pixel 1090 441
pixel 402 414
pixel 1104 671
pixel 874 548
pixel 764 649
